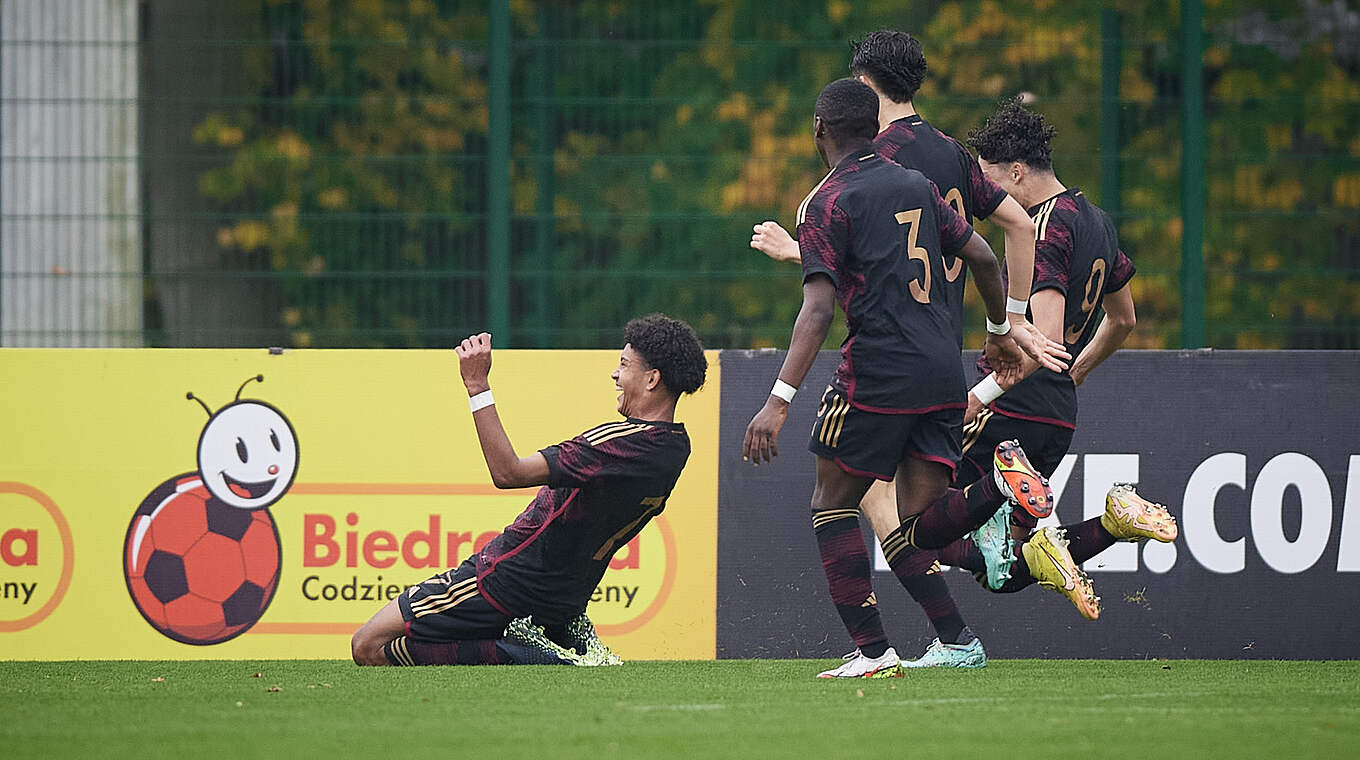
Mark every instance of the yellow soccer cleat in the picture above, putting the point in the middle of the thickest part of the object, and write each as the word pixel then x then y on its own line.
pixel 582 638
pixel 1052 567
pixel 1130 517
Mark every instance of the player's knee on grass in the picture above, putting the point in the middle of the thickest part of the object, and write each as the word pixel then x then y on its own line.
pixel 366 647
pixel 359 649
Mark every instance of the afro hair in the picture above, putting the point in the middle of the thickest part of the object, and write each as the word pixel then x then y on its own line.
pixel 1014 133
pixel 670 347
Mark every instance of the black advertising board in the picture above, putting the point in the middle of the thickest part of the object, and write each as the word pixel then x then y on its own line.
pixel 1255 452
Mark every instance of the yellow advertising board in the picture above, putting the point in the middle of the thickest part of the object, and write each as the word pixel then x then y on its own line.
pixel 346 477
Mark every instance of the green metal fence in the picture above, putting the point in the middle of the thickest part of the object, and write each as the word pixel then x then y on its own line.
pixel 403 173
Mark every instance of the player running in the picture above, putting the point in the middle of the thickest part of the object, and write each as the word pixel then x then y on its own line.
pixel 599 490
pixel 893 64
pixel 873 237
pixel 1079 270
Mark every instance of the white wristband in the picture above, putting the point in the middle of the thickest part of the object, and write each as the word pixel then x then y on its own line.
pixel 783 390
pixel 998 329
pixel 481 400
pixel 988 389
pixel 1016 306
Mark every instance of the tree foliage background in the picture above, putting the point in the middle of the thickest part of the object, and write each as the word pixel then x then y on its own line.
pixel 648 137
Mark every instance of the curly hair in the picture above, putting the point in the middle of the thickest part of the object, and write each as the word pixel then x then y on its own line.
pixel 894 60
pixel 671 347
pixel 849 109
pixel 1014 133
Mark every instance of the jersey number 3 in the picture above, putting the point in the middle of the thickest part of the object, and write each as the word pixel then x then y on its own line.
pixel 912 218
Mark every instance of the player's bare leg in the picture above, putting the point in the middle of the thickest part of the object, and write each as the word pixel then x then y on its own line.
pixel 366 646
pixel 880 506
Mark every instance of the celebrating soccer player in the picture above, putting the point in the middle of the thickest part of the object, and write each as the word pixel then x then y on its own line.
pixel 599 490
pixel 893 64
pixel 873 236
pixel 1079 270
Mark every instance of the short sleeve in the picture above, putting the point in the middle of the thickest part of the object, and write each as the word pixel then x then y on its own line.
pixel 823 239
pixel 1053 256
pixel 955 231
pixel 606 451
pixel 986 194
pixel 1120 274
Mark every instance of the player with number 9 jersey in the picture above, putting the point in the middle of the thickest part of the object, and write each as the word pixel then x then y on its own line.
pixel 1077 254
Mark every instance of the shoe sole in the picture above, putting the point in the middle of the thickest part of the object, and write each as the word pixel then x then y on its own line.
pixel 1030 489
pixel 894 671
pixel 967 665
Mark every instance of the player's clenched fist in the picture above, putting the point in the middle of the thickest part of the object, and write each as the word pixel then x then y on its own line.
pixel 774 241
pixel 474 362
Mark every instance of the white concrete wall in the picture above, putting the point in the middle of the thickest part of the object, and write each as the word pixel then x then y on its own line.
pixel 70 224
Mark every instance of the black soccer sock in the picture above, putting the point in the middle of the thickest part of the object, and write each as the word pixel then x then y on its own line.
pixel 919 572
pixel 965 554
pixel 948 518
pixel 1087 539
pixel 984 498
pixel 845 559
pixel 407 651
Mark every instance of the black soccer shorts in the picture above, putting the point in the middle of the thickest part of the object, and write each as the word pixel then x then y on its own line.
pixel 450 607
pixel 870 444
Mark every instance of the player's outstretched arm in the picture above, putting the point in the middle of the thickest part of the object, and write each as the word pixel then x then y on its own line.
pixel 1110 335
pixel 1002 352
pixel 1019 231
pixel 775 241
pixel 809 332
pixel 508 469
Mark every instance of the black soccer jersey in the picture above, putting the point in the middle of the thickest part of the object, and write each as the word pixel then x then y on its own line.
pixel 1077 253
pixel 915 144
pixel 912 142
pixel 603 487
pixel 880 232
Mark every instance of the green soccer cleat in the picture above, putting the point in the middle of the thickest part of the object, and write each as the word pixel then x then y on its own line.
pixel 993 540
pixel 856 665
pixel 1130 517
pixel 941 655
pixel 582 637
pixel 1052 567
pixel 527 644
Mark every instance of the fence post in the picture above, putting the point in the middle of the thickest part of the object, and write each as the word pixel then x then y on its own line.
pixel 498 173
pixel 1111 58
pixel 1192 175
pixel 545 146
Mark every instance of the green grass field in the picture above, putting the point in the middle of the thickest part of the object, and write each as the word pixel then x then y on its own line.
pixel 745 709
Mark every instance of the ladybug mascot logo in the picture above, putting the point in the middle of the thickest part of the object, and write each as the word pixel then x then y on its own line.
pixel 201 557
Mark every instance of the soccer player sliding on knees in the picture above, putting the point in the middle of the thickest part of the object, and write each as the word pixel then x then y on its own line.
pixel 521 599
